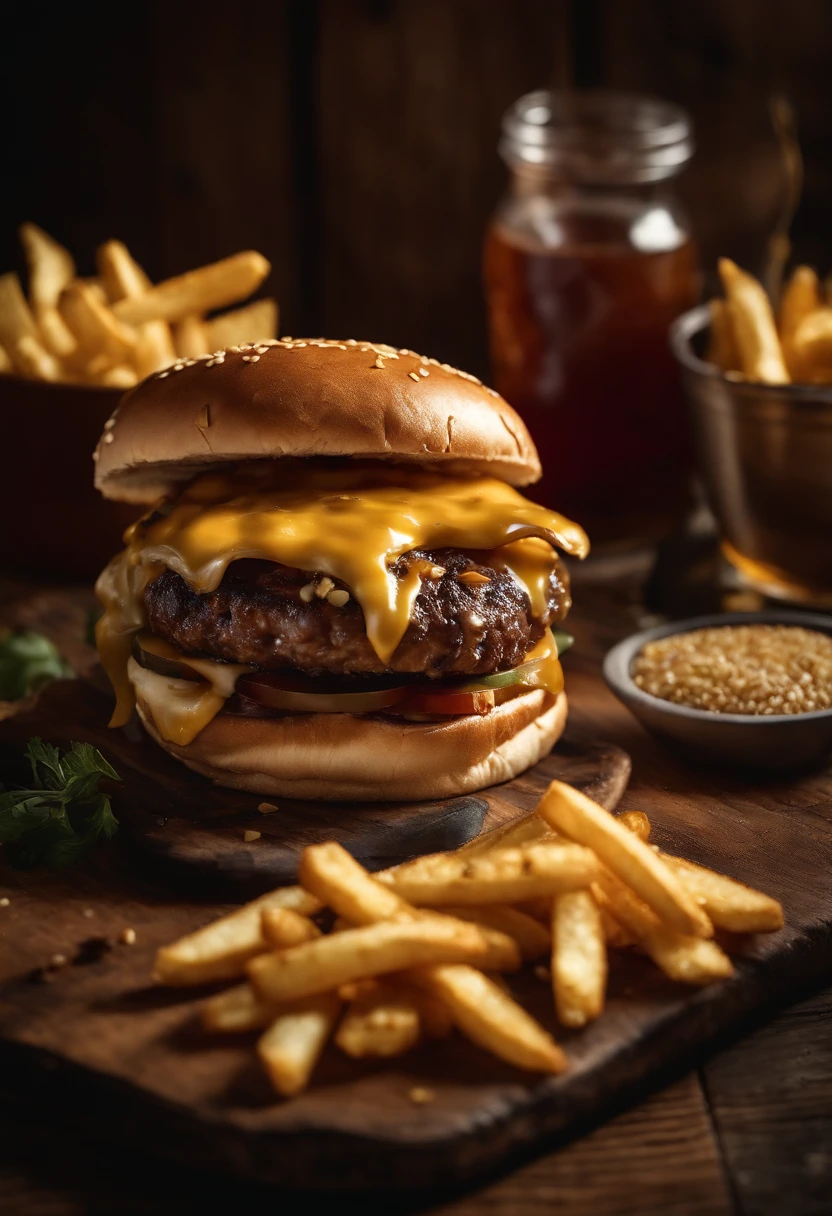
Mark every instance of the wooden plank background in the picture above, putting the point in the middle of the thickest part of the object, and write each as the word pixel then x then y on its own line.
pixel 354 141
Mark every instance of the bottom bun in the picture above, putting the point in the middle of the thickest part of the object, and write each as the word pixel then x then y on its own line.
pixel 343 757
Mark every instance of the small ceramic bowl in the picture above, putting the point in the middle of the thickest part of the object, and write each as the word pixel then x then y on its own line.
pixel 752 741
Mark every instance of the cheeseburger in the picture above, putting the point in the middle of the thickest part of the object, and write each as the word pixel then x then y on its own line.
pixel 337 592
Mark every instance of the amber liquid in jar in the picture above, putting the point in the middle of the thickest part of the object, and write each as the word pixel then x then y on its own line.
pixel 579 344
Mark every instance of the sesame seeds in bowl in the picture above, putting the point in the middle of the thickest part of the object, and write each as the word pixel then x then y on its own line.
pixel 751 690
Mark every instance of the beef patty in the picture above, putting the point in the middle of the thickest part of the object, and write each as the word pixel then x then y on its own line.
pixel 257 616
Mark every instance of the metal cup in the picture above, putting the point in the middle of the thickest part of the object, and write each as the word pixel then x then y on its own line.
pixel 765 454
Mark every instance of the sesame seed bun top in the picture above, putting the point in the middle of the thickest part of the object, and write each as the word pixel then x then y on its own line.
pixel 306 398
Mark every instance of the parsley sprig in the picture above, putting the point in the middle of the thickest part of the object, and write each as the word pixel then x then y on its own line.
pixel 28 661
pixel 58 820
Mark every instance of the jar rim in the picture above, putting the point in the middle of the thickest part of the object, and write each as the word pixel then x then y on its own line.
pixel 597 135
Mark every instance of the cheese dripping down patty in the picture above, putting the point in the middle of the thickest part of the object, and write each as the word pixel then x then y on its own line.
pixel 351 522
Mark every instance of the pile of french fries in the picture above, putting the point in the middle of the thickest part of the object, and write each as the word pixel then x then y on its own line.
pixel 748 342
pixel 117 328
pixel 420 949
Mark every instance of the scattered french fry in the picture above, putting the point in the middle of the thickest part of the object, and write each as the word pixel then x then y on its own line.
pixel 382 1021
pixel 255 322
pixel 220 950
pixel 284 927
pixel 362 953
pixel 635 863
pixel 198 291
pixel 499 876
pixel 579 958
pixel 292 1046
pixel 532 938
pixel 637 822
pixel 761 357
pixel 237 1010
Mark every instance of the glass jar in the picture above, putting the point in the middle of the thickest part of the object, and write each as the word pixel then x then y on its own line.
pixel 588 260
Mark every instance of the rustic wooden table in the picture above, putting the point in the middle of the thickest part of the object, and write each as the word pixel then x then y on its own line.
pixel 749 1131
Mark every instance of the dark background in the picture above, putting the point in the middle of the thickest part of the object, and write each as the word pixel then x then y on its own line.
pixel 354 141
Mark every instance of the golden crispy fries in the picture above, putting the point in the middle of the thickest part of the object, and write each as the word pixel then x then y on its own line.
pixel 120 376
pixel 635 863
pixel 93 324
pixel 190 337
pixel 196 292
pixel 730 904
pixel 637 822
pixel 722 342
pixel 499 876
pixel 690 960
pixel 800 298
pixel 34 361
pixel 531 937
pixel 220 950
pixel 124 279
pixel 293 1044
pixel 51 267
pixel 16 320
pixel 761 358
pixel 237 1010
pixel 361 953
pixel 492 1019
pixel 382 1021
pixel 283 927
pixel 477 1003
pixel 57 336
pixel 256 322
pixel 615 935
pixel 811 346
pixel 579 958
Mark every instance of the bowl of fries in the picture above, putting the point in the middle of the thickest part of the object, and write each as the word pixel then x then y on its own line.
pixel 69 347
pixel 759 388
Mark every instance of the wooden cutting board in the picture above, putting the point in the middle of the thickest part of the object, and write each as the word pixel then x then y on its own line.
pixel 129 1060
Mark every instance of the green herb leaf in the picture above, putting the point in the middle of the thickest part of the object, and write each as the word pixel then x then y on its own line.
pixel 59 821
pixel 28 661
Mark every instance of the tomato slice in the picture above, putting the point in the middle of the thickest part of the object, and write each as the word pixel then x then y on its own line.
pixel 287 692
pixel 450 702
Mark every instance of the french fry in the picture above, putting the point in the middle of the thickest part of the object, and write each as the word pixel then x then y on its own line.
pixel 528 830
pixel 197 291
pixel 637 822
pixel 690 960
pixel 477 1004
pixel 255 322
pixel 532 938
pixel 221 949
pixel 190 337
pixel 16 321
pixel 124 279
pixel 811 346
pixel 761 357
pixel 502 952
pixel 354 954
pixel 120 376
pixel 729 904
pixel 722 343
pixel 57 336
pixel 800 298
pixel 499 876
pixel 383 1021
pixel 635 863
pixel 579 958
pixel 283 927
pixel 94 326
pixel 293 1044
pixel 34 360
pixel 237 1010
pixel 492 1019
pixel 51 267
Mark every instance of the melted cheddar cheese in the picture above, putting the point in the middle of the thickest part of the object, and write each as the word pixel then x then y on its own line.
pixel 351 522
